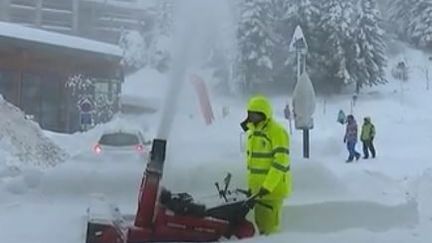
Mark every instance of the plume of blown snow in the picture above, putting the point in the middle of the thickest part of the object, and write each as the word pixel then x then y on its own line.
pixel 195 22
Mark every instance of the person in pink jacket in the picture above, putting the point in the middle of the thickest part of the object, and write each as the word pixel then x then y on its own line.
pixel 351 137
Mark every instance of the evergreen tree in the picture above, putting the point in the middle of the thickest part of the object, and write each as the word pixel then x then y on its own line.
pixel 400 14
pixel 158 41
pixel 303 13
pixel 345 40
pixel 420 26
pixel 368 65
pixel 148 45
pixel 308 14
pixel 338 44
pixel 255 43
pixel 282 12
pixel 164 16
pixel 134 50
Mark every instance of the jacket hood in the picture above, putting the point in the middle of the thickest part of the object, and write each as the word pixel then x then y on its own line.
pixel 260 104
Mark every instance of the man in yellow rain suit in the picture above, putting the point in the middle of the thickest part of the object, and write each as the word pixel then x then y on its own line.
pixel 268 163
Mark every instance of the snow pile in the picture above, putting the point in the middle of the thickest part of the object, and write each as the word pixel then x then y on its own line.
pixel 23 143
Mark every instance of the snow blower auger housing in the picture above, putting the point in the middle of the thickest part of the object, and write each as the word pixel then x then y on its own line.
pixel 163 216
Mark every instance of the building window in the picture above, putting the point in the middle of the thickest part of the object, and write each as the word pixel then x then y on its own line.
pixel 41 100
pixel 103 88
pixel 108 88
pixel 51 104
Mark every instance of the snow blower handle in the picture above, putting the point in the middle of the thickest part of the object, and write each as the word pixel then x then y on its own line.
pixel 264 205
pixel 253 200
pixel 247 193
pixel 227 181
pixel 222 193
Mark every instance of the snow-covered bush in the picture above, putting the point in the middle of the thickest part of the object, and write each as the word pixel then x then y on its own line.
pixel 82 87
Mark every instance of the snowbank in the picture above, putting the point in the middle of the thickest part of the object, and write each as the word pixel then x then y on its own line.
pixel 24 151
pixel 22 142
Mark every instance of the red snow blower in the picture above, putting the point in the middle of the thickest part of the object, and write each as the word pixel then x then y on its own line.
pixel 163 216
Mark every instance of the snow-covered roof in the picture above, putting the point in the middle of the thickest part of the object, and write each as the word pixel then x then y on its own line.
pixel 16 31
pixel 125 4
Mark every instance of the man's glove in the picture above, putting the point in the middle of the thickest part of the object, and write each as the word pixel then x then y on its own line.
pixel 262 192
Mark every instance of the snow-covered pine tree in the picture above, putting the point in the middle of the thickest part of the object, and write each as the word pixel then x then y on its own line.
pixel 308 14
pixel 399 14
pixel 367 67
pixel 164 16
pixel 134 50
pixel 420 26
pixel 104 109
pixel 223 52
pixel 148 44
pixel 255 44
pixel 279 9
pixel 338 44
pixel 282 25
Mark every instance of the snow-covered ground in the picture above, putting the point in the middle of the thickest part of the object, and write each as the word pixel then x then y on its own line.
pixel 387 199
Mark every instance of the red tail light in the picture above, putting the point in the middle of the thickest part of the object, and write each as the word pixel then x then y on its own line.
pixel 140 148
pixel 97 149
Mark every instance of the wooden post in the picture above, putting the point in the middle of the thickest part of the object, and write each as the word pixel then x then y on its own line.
pixel 75 17
pixel 38 20
pixel 4 10
pixel 306 143
pixel 22 64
